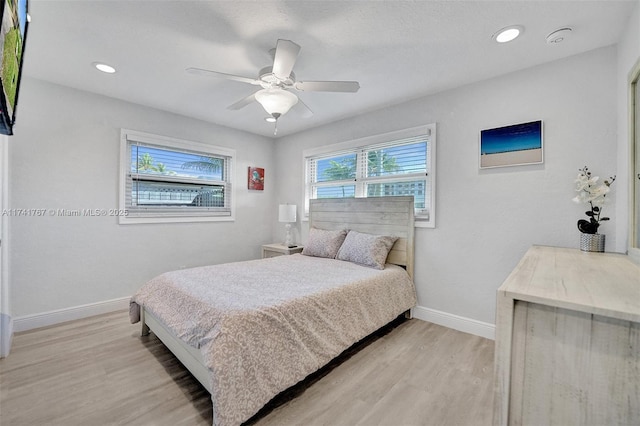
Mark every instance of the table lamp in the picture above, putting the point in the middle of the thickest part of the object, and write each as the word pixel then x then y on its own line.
pixel 287 214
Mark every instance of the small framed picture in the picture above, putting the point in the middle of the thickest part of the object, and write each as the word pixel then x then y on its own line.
pixel 256 178
pixel 513 145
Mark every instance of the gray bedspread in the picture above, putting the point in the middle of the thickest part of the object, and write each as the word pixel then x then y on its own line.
pixel 264 325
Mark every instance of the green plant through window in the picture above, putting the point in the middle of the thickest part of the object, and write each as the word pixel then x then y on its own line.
pixel 173 178
pixel 391 169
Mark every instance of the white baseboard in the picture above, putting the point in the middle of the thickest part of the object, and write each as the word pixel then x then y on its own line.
pixel 467 325
pixel 6 334
pixel 29 322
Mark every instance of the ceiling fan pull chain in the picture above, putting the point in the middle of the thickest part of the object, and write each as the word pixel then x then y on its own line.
pixel 275 115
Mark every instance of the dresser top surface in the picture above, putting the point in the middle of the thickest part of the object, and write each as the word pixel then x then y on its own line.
pixel 605 284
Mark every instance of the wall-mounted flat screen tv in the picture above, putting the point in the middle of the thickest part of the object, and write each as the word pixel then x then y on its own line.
pixel 13 33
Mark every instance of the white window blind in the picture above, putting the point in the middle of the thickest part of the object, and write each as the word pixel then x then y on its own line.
pixel 333 176
pixel 395 164
pixel 170 179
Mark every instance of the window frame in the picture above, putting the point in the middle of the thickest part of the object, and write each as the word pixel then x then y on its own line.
pixel 179 216
pixel 367 143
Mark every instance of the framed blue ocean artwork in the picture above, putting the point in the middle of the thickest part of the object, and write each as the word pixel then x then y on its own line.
pixel 514 145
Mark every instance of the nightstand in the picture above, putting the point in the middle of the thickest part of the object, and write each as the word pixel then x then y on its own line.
pixel 277 249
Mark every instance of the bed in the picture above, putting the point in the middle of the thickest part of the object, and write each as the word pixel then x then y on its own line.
pixel 249 330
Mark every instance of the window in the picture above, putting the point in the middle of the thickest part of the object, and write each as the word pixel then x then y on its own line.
pixel 398 163
pixel 170 180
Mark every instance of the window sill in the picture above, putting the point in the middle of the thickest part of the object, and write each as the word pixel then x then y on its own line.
pixel 141 220
pixel 423 224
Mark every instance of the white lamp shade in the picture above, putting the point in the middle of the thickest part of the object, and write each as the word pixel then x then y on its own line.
pixel 287 213
pixel 276 101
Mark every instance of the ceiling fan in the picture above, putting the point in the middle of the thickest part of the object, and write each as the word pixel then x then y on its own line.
pixel 277 81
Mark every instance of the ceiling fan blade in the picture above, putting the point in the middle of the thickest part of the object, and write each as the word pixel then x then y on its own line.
pixel 242 102
pixel 328 86
pixel 200 71
pixel 303 109
pixel 284 58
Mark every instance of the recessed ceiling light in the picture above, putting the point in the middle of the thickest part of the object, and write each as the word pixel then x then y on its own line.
pixel 104 67
pixel 507 34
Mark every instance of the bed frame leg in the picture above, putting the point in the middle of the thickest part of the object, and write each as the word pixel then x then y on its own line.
pixel 145 328
pixel 408 315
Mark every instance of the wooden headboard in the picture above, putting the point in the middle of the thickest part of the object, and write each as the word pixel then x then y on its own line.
pixel 373 215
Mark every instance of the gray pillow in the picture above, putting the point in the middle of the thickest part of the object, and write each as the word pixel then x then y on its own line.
pixel 366 249
pixel 324 243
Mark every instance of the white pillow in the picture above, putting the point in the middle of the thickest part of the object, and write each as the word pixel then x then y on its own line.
pixel 366 249
pixel 324 243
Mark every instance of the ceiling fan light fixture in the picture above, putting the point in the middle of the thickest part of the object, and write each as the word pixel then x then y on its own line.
pixel 276 101
pixel 270 119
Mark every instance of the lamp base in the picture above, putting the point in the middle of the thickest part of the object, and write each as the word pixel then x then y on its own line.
pixel 288 239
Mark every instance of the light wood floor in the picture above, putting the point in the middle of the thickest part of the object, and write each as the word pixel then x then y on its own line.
pixel 99 371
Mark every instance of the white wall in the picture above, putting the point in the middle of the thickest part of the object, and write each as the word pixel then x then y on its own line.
pixel 487 219
pixel 628 55
pixel 6 322
pixel 64 155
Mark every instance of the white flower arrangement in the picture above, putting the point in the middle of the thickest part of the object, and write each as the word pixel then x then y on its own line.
pixel 593 193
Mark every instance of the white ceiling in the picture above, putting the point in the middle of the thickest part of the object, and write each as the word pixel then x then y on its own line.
pixel 397 50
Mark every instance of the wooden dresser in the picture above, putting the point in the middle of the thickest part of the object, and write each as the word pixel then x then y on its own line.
pixel 568 340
